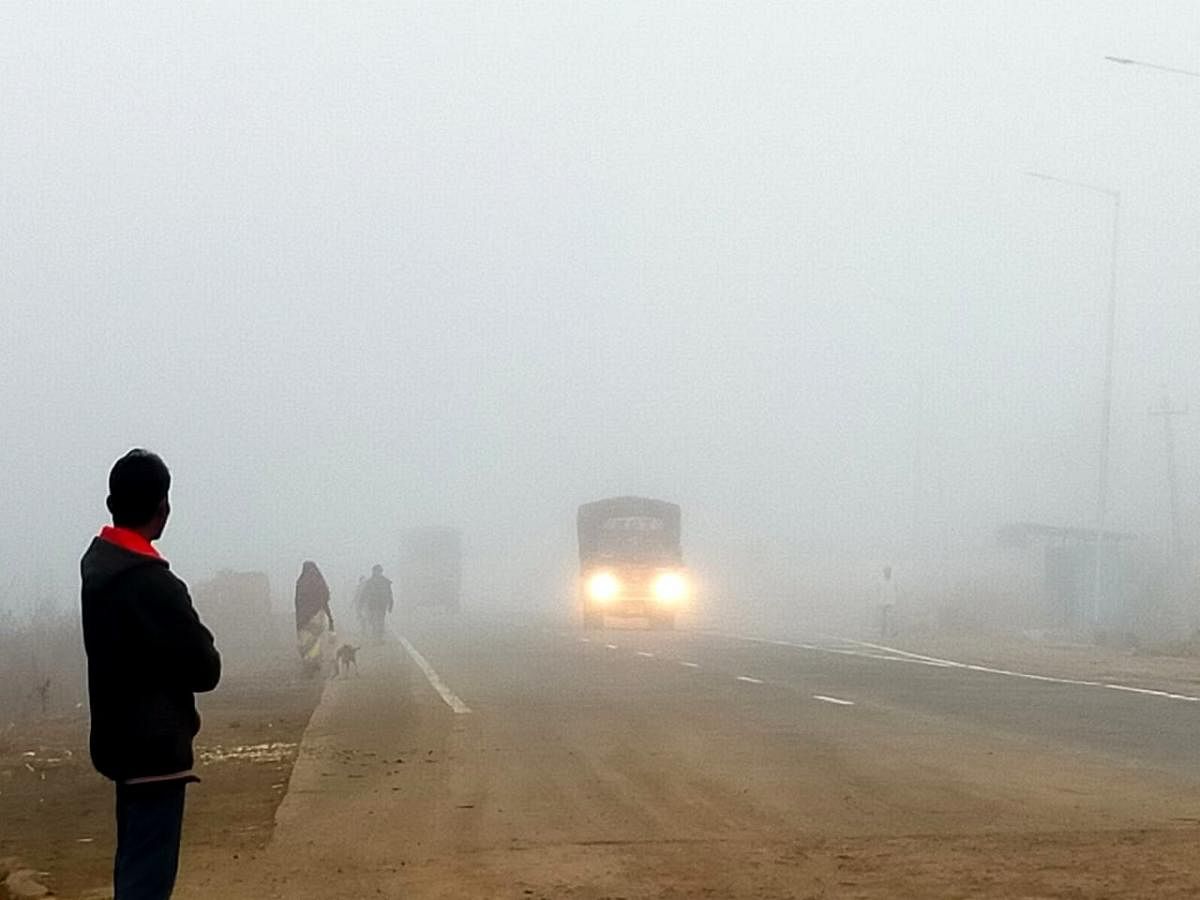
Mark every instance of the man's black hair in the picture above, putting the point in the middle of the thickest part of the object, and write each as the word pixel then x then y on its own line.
pixel 137 486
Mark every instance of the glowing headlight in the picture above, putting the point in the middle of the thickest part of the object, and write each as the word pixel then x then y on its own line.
pixel 603 586
pixel 670 587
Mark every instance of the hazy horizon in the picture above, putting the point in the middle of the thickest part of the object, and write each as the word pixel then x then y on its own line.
pixel 350 269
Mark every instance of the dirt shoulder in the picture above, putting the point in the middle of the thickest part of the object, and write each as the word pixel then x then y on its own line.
pixel 57 813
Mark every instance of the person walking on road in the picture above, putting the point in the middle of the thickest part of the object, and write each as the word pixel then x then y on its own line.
pixel 314 618
pixel 377 601
pixel 148 654
pixel 887 605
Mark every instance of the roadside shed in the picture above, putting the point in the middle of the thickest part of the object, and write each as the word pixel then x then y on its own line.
pixel 1069 572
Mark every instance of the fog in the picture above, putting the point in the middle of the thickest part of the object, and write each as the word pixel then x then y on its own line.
pixel 355 268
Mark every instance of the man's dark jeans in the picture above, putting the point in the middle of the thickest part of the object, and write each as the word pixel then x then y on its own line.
pixel 149 826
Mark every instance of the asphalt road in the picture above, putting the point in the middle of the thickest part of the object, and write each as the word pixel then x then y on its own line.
pixel 493 759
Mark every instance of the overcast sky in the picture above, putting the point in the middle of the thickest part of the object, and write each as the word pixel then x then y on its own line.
pixel 350 268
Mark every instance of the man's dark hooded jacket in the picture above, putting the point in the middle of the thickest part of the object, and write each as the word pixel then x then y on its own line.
pixel 148 654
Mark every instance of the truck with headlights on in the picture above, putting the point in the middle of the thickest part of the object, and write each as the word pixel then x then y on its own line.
pixel 631 561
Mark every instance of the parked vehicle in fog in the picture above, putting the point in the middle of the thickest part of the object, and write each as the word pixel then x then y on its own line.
pixel 430 568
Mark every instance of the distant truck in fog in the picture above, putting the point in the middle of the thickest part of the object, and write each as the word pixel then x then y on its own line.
pixel 430 569
pixel 631 561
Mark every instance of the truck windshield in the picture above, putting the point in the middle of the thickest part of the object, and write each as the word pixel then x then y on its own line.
pixel 637 539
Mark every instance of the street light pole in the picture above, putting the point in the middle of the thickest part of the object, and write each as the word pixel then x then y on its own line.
pixel 1106 418
pixel 1106 401
pixel 1165 412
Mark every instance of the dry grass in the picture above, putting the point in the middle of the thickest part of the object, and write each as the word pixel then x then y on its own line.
pixel 42 666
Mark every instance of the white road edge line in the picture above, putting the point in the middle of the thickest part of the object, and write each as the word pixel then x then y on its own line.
pixel 894 654
pixel 949 663
pixel 749 680
pixel 834 700
pixel 452 699
pixel 1152 693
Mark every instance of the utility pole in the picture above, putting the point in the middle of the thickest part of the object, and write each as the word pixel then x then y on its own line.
pixel 1168 413
pixel 1106 420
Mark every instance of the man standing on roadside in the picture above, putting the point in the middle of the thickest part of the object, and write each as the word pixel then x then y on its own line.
pixel 147 655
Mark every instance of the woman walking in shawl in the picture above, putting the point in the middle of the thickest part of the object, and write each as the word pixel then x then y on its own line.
pixel 314 621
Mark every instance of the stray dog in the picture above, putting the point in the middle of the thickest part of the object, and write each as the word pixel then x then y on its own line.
pixel 346 657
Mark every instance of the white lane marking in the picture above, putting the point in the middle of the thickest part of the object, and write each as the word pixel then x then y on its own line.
pixel 452 699
pixel 1152 693
pixel 749 680
pixel 646 654
pixel 611 646
pixel 690 665
pixel 894 651
pixel 834 700
pixel 1031 676
pixel 894 654
pixel 933 660
pixel 842 651
pixel 585 640
pixel 937 664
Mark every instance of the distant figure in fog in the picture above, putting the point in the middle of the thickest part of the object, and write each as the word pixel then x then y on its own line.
pixel 887 605
pixel 377 601
pixel 314 620
pixel 147 656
